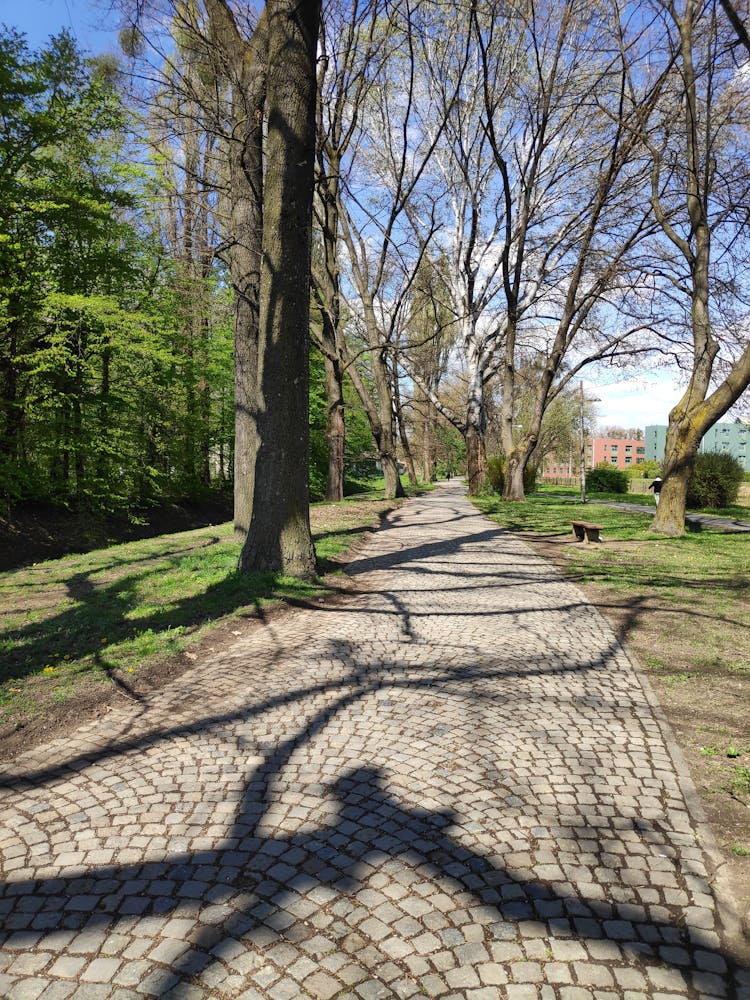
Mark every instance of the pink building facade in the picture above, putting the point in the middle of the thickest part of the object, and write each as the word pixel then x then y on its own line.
pixel 619 452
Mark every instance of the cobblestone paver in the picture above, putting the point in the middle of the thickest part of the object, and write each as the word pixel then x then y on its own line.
pixel 452 785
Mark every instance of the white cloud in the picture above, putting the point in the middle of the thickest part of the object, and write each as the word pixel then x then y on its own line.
pixel 634 401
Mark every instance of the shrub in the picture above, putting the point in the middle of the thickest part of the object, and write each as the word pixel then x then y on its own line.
pixel 715 481
pixel 605 478
pixel 529 478
pixel 496 474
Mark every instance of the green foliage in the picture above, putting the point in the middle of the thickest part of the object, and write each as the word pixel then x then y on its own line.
pixel 496 472
pixel 605 478
pixel 317 417
pixel 715 481
pixel 450 450
pixel 644 470
pixel 115 364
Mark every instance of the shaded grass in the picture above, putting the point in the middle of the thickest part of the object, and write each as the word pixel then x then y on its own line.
pixel 103 615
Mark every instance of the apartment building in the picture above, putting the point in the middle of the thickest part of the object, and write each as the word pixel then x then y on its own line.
pixel 731 438
pixel 619 452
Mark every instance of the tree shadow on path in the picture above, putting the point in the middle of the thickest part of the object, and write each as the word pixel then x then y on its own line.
pixel 257 888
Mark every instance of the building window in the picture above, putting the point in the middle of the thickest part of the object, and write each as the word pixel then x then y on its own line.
pixel 628 449
pixel 615 448
pixel 613 460
pixel 640 451
pixel 628 460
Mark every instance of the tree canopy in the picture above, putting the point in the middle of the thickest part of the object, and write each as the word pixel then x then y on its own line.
pixel 475 218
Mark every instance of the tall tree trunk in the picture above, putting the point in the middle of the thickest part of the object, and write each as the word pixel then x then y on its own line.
pixel 428 442
pixel 683 441
pixel 476 460
pixel 688 420
pixel 246 187
pixel 335 428
pixel 279 538
pixel 513 489
pixel 386 439
pixel 476 456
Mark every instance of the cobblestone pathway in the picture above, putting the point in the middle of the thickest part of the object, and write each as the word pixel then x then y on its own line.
pixel 451 785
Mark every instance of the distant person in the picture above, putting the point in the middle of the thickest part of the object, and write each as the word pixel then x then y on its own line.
pixel 656 487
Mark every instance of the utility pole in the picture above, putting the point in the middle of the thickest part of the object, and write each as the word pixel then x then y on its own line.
pixel 588 399
pixel 583 451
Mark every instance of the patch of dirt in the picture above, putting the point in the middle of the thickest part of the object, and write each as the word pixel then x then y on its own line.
pixel 706 705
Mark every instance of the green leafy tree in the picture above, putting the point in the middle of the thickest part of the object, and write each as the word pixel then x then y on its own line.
pixel 66 258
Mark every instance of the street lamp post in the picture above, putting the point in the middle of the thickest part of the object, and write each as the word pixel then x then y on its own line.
pixel 590 399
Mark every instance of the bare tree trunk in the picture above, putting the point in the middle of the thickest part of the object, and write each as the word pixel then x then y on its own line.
pixel 244 253
pixel 679 456
pixel 428 441
pixel 513 489
pixel 476 457
pixel 279 538
pixel 386 439
pixel 696 412
pixel 403 436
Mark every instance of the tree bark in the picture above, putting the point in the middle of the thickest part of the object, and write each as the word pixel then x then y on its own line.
pixel 428 445
pixel 696 412
pixel 679 455
pixel 402 432
pixel 476 457
pixel 513 488
pixel 279 539
pixel 386 439
pixel 246 211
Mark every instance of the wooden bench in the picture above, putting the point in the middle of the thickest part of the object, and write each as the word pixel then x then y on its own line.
pixel 587 532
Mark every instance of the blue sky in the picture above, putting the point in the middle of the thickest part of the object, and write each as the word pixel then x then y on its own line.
pixel 631 400
pixel 91 23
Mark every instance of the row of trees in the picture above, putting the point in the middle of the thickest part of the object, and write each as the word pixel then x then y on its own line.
pixel 476 214
pixel 115 325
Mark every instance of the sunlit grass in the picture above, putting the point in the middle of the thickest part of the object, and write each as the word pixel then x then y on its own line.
pixel 698 560
pixel 82 618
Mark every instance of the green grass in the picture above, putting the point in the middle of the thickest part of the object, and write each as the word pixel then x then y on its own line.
pixel 86 617
pixel 740 783
pixel 687 566
pixel 736 511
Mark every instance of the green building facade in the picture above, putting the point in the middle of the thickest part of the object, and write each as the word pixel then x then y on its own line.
pixel 731 438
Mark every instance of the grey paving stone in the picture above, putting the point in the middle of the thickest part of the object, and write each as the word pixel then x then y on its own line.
pixel 452 781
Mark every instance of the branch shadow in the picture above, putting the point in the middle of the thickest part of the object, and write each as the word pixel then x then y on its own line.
pixel 253 889
pixel 260 886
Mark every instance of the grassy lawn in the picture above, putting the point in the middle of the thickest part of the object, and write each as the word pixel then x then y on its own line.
pixel 683 606
pixel 96 620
